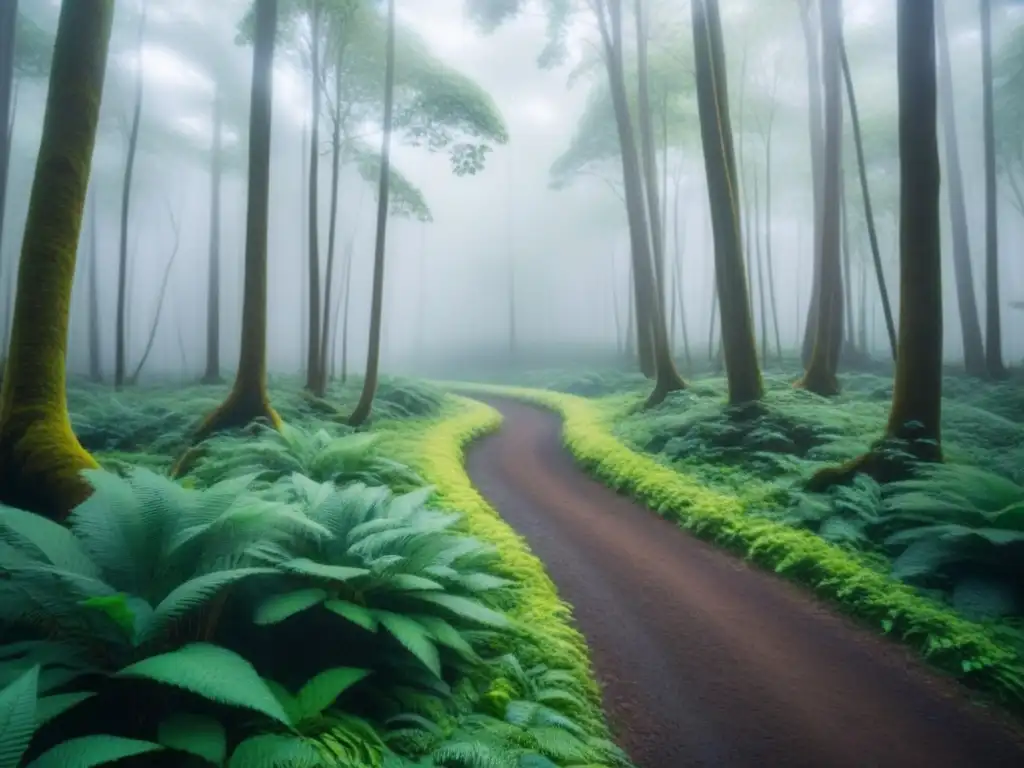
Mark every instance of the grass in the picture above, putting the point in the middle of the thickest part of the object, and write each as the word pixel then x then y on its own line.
pixel 421 630
pixel 736 481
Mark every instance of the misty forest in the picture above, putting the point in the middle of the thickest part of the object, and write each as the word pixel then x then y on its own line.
pixel 511 383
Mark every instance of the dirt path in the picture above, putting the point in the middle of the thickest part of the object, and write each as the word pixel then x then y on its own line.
pixel 707 661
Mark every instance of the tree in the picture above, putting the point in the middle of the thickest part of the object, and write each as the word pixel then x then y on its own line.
pixel 820 376
pixel 738 343
pixel 993 327
pixel 915 415
pixel 974 350
pixel 248 399
pixel 40 457
pixel 365 403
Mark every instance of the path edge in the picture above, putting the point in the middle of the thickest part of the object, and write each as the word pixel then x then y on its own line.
pixel 968 651
pixel 545 624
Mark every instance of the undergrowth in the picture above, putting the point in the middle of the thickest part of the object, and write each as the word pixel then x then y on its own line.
pixel 298 599
pixel 953 533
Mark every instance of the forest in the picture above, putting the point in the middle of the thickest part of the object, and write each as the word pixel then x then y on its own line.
pixel 511 383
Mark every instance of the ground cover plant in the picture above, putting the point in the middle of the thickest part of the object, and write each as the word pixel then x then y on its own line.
pixel 934 559
pixel 420 630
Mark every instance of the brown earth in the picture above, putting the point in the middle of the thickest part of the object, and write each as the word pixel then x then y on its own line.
pixel 703 659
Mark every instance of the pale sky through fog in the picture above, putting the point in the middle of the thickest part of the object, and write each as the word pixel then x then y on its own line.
pixel 453 273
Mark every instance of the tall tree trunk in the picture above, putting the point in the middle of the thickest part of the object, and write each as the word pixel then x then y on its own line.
pixel 817 146
pixel 304 257
pixel 95 338
pixel 848 334
pixel 677 241
pixel 615 306
pixel 917 391
pixel 248 399
pixel 769 266
pixel 876 255
pixel 993 326
pixel 9 276
pixel 40 458
pixel 8 24
pixel 862 321
pixel 667 378
pixel 739 346
pixel 332 228
pixel 974 350
pixel 313 352
pixel 120 330
pixel 362 409
pixel 631 314
pixel 155 324
pixel 212 373
pixel 820 376
pixel 346 312
pixel 762 306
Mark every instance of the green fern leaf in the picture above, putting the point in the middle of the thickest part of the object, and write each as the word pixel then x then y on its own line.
pixel 307 567
pixel 447 635
pixel 277 608
pixel 50 707
pixel 18 717
pixel 276 750
pixel 214 673
pixel 414 637
pixel 322 691
pixel 198 735
pixel 193 594
pixel 52 541
pixel 357 614
pixel 463 607
pixel 90 751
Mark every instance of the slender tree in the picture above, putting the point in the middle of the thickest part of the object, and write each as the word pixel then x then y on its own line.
pixel 248 399
pixel 820 376
pixel 212 373
pixel 40 457
pixel 993 326
pixel 738 344
pixel 963 270
pixel 313 212
pixel 95 337
pixel 365 403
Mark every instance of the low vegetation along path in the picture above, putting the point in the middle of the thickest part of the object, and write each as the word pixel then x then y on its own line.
pixel 705 660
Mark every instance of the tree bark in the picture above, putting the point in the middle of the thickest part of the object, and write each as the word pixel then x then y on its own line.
pixel 362 409
pixel 876 255
pixel 212 373
pixel 993 325
pixel 313 351
pixel 95 337
pixel 820 376
pixel 739 346
pixel 248 399
pixel 120 330
pixel 40 458
pixel 963 270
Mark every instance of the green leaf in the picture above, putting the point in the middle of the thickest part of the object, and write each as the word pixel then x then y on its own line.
pixel 357 614
pixel 447 635
pixel 89 751
pixel 196 734
pixel 49 707
pixel 276 750
pixel 57 544
pixel 116 608
pixel 323 690
pixel 277 608
pixel 214 673
pixel 414 637
pixel 18 717
pixel 463 607
pixel 307 567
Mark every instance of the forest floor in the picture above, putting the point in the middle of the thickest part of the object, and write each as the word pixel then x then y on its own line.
pixel 706 660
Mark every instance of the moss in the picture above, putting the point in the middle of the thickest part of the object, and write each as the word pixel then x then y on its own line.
pixel 967 650
pixel 545 634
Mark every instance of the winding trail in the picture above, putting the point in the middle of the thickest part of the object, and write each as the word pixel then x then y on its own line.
pixel 707 661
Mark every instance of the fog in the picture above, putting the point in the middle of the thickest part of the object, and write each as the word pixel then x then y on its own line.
pixel 447 292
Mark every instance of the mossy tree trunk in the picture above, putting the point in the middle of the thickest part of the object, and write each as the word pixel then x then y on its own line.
pixel 248 399
pixel 40 458
pixel 121 320
pixel 993 324
pixel 963 271
pixel 95 337
pixel 858 143
pixel 738 344
pixel 212 372
pixel 362 410
pixel 817 148
pixel 313 217
pixel 917 392
pixel 820 375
